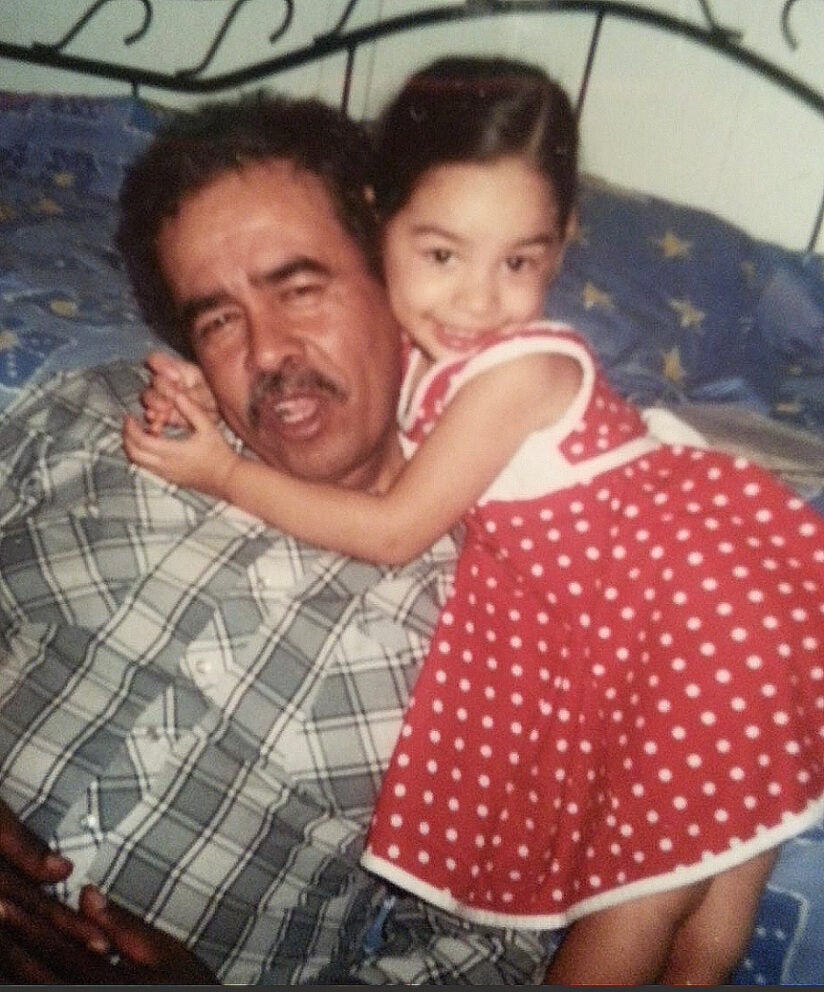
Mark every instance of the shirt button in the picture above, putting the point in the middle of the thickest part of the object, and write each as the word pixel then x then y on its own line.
pixel 89 821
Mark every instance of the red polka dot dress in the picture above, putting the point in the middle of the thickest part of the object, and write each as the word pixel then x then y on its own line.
pixel 625 690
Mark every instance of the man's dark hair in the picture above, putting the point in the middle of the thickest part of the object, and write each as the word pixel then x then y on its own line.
pixel 194 148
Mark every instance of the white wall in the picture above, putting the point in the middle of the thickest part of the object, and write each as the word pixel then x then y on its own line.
pixel 663 116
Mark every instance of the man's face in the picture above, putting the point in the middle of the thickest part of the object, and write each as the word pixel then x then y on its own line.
pixel 293 332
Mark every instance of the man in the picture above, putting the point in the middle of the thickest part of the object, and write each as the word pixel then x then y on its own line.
pixel 195 710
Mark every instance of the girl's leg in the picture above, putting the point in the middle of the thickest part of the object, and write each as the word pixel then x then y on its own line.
pixel 624 945
pixel 689 936
pixel 712 939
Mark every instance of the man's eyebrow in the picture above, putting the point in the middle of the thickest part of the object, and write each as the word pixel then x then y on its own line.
pixel 298 266
pixel 192 309
pixel 301 265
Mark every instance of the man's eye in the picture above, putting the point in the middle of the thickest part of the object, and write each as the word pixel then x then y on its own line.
pixel 208 325
pixel 301 291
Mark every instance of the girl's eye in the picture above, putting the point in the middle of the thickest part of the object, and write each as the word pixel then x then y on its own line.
pixel 517 263
pixel 440 255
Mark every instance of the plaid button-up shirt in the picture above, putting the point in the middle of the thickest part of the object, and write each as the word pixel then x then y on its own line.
pixel 198 710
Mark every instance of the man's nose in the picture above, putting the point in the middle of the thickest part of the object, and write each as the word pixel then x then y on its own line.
pixel 272 338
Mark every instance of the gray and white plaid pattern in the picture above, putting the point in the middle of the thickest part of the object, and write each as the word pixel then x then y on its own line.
pixel 199 710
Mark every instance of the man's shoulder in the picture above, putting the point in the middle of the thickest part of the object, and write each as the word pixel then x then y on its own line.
pixel 61 454
pixel 100 394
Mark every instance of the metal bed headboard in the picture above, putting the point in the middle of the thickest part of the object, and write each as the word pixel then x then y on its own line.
pixel 342 39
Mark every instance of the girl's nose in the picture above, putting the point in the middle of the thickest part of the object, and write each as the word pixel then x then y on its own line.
pixel 478 297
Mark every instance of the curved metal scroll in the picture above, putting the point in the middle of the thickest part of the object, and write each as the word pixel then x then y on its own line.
pixel 90 14
pixel 342 39
pixel 274 37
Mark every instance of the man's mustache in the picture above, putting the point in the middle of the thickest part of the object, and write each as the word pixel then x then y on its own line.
pixel 292 377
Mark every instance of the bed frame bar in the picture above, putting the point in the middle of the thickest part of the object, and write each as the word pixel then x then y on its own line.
pixel 194 80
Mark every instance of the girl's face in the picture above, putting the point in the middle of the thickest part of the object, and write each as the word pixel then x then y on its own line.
pixel 470 255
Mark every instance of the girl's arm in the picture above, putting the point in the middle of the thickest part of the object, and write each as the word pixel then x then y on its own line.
pixel 472 442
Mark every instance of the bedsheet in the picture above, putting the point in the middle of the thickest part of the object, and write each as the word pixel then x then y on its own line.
pixel 684 310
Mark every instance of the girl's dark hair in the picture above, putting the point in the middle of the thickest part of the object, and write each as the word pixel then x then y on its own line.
pixel 195 148
pixel 465 109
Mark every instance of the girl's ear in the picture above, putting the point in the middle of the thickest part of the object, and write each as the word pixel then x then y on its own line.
pixel 569 234
pixel 369 195
pixel 571 229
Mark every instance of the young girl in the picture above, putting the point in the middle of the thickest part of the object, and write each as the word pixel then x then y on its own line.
pixel 622 713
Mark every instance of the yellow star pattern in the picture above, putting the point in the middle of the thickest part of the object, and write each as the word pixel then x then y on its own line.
pixel 672 246
pixel 691 316
pixel 64 180
pixel 673 369
pixel 594 297
pixel 63 308
pixel 8 339
pixel 45 205
pixel 748 272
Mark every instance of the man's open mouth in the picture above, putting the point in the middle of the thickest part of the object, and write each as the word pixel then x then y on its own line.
pixel 292 400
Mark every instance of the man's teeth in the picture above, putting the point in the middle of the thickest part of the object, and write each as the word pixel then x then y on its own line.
pixel 294 411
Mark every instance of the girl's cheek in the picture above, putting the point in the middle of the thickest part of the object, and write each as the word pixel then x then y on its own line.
pixel 533 301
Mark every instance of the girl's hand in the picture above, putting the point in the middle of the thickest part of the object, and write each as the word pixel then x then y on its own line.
pixel 172 375
pixel 201 460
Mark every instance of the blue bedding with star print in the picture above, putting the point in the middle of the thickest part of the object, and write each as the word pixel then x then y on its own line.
pixel 683 309
pixel 64 301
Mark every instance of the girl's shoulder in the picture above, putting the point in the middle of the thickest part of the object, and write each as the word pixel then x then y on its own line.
pixel 429 395
pixel 544 338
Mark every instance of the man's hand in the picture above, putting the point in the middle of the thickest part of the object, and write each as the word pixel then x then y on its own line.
pixel 34 952
pixel 26 864
pixel 43 941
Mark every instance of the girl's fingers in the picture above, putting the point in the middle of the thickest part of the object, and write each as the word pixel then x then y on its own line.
pixel 175 369
pixel 197 417
pixel 163 364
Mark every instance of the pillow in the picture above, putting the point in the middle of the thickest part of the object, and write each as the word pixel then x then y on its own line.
pixel 77 141
pixel 682 306
pixel 789 318
pixel 66 301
